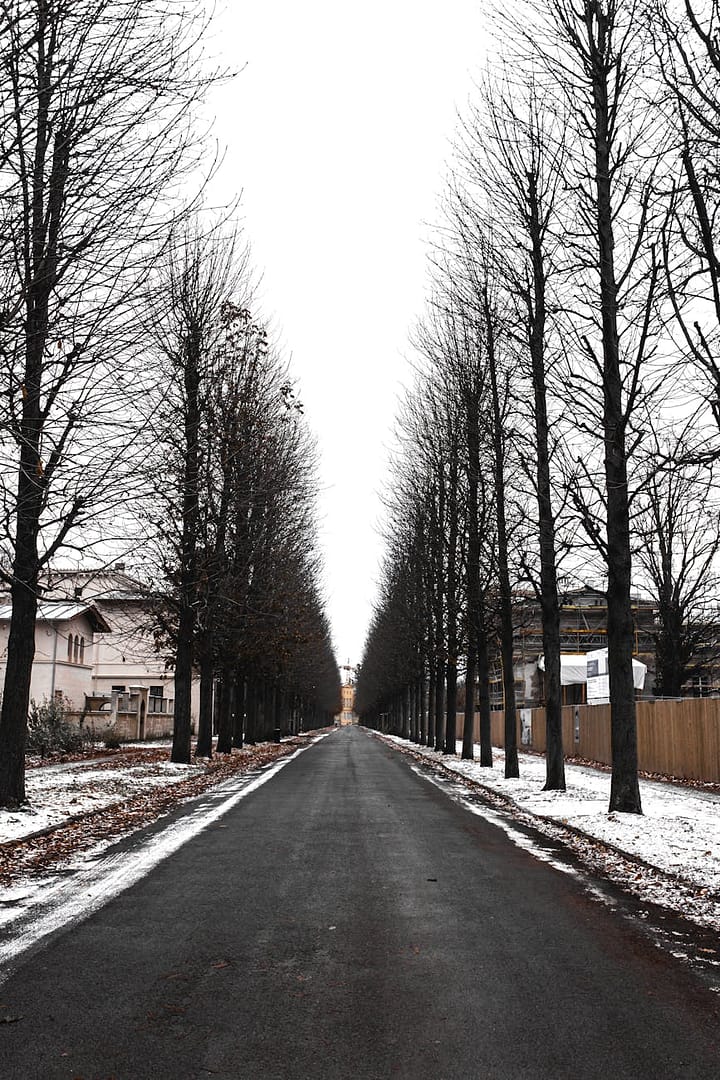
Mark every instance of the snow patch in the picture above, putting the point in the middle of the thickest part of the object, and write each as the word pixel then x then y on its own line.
pixel 56 793
pixel 678 831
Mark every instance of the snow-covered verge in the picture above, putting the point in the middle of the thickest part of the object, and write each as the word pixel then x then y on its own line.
pixel 58 792
pixel 678 833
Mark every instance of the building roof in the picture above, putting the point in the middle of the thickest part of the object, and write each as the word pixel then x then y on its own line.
pixel 62 611
pixel 97 586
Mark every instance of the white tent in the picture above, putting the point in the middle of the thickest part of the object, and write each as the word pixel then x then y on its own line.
pixel 574 668
pixel 598 678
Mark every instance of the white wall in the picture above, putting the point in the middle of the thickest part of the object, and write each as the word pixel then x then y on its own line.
pixel 127 656
pixel 123 657
pixel 52 673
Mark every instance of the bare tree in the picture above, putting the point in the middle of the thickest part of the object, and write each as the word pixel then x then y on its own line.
pixel 593 55
pixel 451 341
pixel 96 138
pixel 474 279
pixel 511 159
pixel 232 505
pixel 186 318
pixel 677 531
pixel 685 34
pixel 238 407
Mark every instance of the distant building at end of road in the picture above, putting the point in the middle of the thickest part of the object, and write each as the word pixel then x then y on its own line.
pixel 347 714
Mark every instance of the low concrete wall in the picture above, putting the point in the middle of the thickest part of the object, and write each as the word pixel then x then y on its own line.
pixel 125 725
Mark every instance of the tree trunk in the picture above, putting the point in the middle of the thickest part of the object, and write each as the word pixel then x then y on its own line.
pixel 29 502
pixel 472 573
pixel 549 604
pixel 16 695
pixel 554 753
pixel 203 746
pixel 423 706
pixel 451 695
pixel 227 708
pixel 624 788
pixel 182 723
pixel 671 652
pixel 279 711
pixel 250 710
pixel 238 736
pixel 503 572
pixel 439 705
pixel 469 717
pixel 268 710
pixel 451 604
pixel 438 523
pixel 483 671
pixel 412 704
pixel 188 554
pixel 430 738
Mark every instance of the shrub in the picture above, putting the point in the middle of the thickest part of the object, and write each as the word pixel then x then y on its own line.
pixel 49 730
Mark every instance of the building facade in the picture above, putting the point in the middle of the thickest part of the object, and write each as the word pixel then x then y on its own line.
pixel 348 714
pixel 67 640
pixel 583 629
pixel 132 684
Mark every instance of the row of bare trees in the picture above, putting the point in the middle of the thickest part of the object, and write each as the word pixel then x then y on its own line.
pixel 231 471
pixel 564 421
pixel 102 159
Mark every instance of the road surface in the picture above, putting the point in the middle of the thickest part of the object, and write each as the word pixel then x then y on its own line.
pixel 350 920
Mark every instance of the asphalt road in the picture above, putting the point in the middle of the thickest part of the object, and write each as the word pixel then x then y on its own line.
pixel 349 920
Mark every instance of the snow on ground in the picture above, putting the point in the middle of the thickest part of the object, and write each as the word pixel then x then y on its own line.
pixel 678 832
pixel 59 792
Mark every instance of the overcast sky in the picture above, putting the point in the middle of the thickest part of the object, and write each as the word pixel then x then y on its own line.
pixel 337 130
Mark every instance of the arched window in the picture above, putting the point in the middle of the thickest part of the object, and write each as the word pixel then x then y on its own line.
pixel 82 650
pixel 70 647
pixel 77 649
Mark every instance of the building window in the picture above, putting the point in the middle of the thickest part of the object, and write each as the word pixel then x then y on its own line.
pixel 156 701
pixel 76 650
pixel 82 650
pixel 70 647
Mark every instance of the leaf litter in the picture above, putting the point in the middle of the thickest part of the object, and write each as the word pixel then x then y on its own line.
pixel 78 807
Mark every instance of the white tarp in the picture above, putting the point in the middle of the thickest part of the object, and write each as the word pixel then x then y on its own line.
pixel 592 668
pixel 573 668
pixel 598 678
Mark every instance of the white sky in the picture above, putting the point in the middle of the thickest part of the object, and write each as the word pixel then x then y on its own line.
pixel 337 132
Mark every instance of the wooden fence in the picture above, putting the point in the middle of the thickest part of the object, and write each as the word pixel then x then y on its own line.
pixel 677 738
